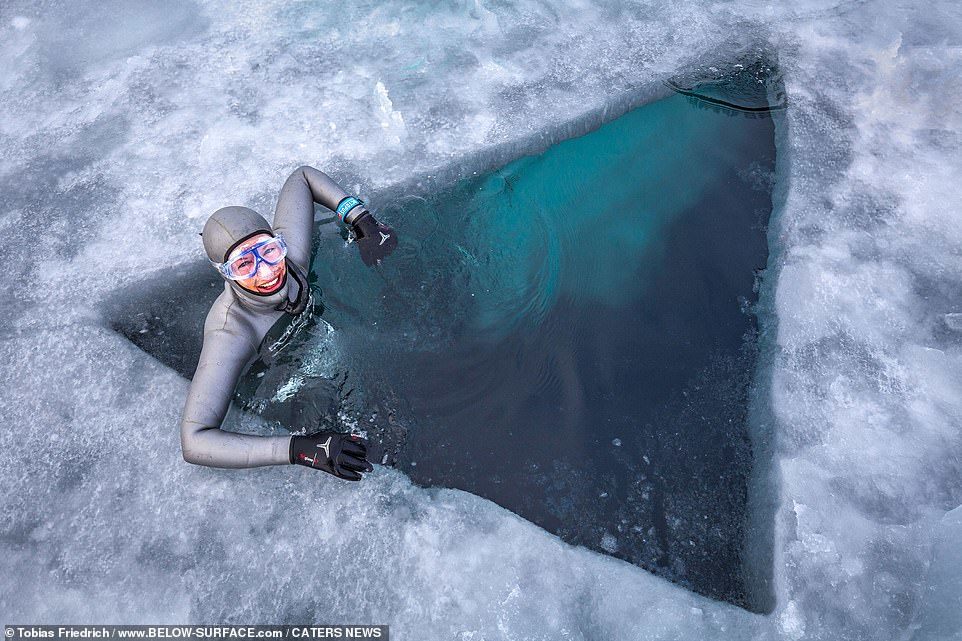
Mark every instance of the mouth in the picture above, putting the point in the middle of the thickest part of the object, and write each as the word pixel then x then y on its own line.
pixel 270 285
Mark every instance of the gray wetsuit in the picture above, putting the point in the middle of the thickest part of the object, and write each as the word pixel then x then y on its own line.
pixel 239 319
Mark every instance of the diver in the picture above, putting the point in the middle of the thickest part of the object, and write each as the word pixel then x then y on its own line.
pixel 265 271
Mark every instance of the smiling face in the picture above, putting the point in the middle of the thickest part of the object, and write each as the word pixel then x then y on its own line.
pixel 268 278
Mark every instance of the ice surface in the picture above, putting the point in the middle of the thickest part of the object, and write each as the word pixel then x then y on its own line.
pixel 120 133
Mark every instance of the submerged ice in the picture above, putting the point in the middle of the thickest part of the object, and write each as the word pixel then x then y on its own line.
pixel 124 127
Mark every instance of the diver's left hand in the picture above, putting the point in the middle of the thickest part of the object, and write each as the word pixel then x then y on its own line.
pixel 374 240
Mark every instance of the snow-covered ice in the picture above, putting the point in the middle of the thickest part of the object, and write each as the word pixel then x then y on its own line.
pixel 125 123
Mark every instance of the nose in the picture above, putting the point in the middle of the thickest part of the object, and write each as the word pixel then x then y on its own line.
pixel 264 270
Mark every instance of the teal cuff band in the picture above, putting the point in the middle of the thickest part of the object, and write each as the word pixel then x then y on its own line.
pixel 346 205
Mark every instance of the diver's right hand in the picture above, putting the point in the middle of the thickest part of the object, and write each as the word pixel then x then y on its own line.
pixel 343 455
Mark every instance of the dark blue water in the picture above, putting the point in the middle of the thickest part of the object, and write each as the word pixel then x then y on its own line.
pixel 568 336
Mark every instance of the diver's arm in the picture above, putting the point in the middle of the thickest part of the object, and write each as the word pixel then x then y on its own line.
pixel 222 359
pixel 294 216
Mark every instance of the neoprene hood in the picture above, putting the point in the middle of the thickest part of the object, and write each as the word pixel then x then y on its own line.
pixel 224 230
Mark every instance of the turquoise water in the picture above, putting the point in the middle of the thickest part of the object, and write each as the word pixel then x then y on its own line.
pixel 585 221
pixel 568 335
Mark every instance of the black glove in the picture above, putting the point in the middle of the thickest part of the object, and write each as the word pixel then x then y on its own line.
pixel 375 240
pixel 343 455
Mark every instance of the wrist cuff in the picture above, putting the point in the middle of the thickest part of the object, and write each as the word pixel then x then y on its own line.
pixel 346 205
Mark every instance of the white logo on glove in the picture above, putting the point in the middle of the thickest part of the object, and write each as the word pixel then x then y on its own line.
pixel 326 446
